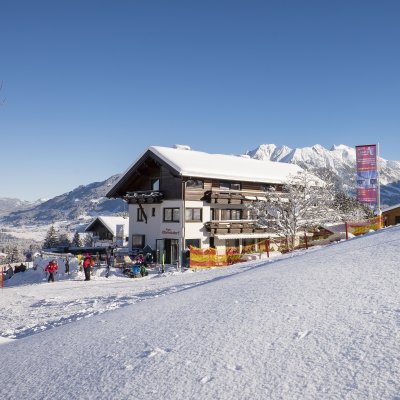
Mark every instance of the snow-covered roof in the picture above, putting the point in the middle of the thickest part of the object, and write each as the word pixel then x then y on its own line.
pixel 111 223
pixel 221 166
pixel 391 208
pixel 339 227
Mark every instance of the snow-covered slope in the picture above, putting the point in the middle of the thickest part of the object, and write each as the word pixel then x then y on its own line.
pixel 340 159
pixel 320 325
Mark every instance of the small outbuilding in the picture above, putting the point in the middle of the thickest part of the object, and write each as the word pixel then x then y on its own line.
pixel 391 215
pixel 111 231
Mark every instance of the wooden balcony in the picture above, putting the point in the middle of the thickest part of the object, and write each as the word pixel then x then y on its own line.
pixel 226 227
pixel 144 196
pixel 233 197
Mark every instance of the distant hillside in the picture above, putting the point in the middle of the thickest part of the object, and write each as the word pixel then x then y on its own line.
pixel 85 200
pixel 8 205
pixel 339 159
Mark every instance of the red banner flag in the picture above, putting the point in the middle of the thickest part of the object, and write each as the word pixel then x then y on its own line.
pixel 367 173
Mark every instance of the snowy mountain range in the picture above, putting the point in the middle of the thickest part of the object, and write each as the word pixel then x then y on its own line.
pixel 340 159
pixel 8 205
pixel 83 202
pixel 89 200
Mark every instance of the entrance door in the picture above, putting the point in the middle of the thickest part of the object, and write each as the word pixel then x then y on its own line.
pixel 160 251
pixel 170 249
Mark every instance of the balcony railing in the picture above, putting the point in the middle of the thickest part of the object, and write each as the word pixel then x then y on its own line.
pixel 233 197
pixel 144 196
pixel 233 227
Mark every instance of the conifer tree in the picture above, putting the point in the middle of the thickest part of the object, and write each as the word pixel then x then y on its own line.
pixel 76 240
pixel 87 241
pixel 51 239
pixel 63 240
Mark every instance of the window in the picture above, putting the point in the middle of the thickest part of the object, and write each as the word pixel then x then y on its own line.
pixel 192 242
pixel 155 184
pixel 231 214
pixel 229 243
pixel 193 214
pixel 137 241
pixel 140 215
pixel 171 215
pixel 195 184
pixel 229 186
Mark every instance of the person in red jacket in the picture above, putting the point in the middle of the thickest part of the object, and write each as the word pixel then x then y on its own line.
pixel 87 264
pixel 51 268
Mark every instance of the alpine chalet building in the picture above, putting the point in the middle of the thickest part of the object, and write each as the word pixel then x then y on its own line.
pixel 179 197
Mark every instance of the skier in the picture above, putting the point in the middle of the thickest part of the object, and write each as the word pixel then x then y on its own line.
pixel 51 268
pixel 87 264
pixel 67 265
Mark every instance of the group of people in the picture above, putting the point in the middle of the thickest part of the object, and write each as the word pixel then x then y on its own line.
pixel 87 263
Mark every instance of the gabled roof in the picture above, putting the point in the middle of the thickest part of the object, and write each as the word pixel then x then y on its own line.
pixel 110 223
pixel 197 164
pixel 391 208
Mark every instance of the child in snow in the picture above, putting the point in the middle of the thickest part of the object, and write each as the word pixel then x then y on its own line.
pixel 51 268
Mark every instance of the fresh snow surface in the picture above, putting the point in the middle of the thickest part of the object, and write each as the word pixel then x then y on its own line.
pixel 317 324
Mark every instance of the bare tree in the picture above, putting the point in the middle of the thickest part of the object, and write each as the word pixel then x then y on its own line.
pixel 304 203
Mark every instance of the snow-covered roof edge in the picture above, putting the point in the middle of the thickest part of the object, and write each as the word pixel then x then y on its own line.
pixel 106 221
pixel 191 163
pixel 391 208
pixel 244 164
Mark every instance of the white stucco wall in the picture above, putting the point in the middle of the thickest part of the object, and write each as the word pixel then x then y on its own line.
pixel 155 228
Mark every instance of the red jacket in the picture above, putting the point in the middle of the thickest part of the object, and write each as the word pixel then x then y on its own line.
pixel 51 267
pixel 87 262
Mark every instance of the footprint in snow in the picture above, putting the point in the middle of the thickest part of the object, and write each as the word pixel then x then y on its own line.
pixel 301 335
pixel 206 379
pixel 234 367
pixel 155 352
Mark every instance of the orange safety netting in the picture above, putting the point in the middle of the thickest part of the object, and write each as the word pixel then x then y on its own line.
pixel 361 227
pixel 207 258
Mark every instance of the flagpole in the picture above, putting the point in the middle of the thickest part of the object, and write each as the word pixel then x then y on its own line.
pixel 379 188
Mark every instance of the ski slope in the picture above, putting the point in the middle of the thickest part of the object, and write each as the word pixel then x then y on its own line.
pixel 317 324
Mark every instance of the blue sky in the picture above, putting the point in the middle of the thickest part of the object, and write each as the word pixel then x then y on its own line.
pixel 88 85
